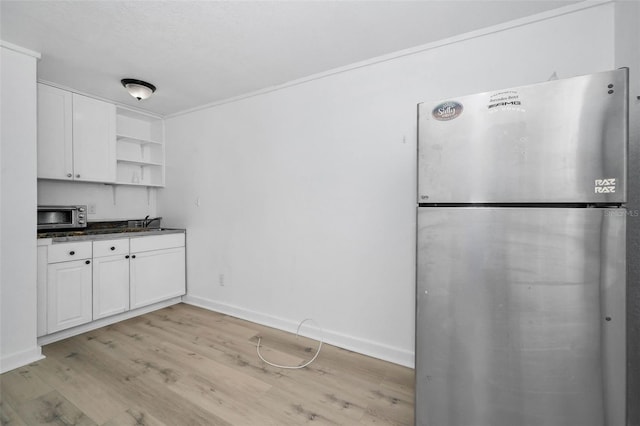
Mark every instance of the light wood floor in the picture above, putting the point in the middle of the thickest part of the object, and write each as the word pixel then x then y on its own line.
pixel 184 365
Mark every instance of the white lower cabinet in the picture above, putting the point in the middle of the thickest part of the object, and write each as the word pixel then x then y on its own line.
pixel 68 286
pixel 110 277
pixel 156 274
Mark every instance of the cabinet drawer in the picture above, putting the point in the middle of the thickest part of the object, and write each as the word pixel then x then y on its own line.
pixel 64 252
pixel 110 247
pixel 156 242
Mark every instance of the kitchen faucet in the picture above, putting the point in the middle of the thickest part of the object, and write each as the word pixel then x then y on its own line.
pixel 146 222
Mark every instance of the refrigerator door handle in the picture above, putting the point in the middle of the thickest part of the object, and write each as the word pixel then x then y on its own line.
pixel 613 311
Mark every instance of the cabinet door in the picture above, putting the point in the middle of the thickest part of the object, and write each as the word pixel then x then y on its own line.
pixel 94 140
pixel 110 285
pixel 156 275
pixel 68 294
pixel 55 152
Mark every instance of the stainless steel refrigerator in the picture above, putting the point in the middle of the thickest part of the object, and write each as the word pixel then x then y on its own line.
pixel 520 316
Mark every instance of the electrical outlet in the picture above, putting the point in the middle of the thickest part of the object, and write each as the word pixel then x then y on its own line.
pixel 221 280
pixel 91 208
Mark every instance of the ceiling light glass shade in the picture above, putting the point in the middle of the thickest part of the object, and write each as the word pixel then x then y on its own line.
pixel 138 89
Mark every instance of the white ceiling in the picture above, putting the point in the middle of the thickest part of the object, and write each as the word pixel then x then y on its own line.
pixel 199 52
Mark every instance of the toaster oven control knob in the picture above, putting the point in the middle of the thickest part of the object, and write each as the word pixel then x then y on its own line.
pixel 80 215
pixel 80 209
pixel 71 253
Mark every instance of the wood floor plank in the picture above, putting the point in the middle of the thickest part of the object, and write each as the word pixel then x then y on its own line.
pixel 290 351
pixel 210 389
pixel 52 409
pixel 214 386
pixel 166 353
pixel 20 385
pixel 240 343
pixel 294 408
pixel 230 352
pixel 134 417
pixel 185 315
pixel 391 406
pixel 209 384
pixel 322 384
pixel 237 409
pixel 143 385
pixel 241 338
pixel 400 380
pixel 185 365
pixel 9 416
pixel 333 381
pixel 82 390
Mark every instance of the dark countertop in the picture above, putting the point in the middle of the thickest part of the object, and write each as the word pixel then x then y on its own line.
pixel 61 237
pixel 105 231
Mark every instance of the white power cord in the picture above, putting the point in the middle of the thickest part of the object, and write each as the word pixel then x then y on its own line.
pixel 294 367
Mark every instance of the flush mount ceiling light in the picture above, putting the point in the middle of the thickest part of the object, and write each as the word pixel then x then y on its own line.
pixel 137 88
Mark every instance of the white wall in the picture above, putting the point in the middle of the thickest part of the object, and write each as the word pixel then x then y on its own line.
pixel 304 197
pixel 127 202
pixel 18 345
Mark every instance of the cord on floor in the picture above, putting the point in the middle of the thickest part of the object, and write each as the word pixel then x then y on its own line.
pixel 294 367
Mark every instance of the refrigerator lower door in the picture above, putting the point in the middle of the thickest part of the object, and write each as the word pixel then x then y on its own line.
pixel 520 317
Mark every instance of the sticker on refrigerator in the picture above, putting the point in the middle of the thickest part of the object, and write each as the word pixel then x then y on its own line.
pixel 447 111
pixel 508 100
pixel 605 186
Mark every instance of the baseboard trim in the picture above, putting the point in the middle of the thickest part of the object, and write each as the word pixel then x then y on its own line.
pixel 355 344
pixel 20 359
pixel 69 332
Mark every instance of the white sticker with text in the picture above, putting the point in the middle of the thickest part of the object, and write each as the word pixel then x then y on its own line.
pixel 605 186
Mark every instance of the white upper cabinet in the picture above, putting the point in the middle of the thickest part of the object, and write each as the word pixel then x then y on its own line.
pixel 76 137
pixel 86 139
pixel 55 133
pixel 94 140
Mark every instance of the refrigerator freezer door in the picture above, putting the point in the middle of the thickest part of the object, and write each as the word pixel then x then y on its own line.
pixel 562 141
pixel 520 317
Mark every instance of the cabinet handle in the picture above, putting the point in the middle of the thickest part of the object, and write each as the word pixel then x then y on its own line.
pixel 87 262
pixel 71 253
pixel 113 248
pixel 78 175
pixel 126 257
pixel 133 256
pixel 69 175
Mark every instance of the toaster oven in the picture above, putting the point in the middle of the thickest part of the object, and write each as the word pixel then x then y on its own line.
pixel 62 217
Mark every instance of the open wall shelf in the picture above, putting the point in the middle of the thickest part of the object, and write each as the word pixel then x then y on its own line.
pixel 139 149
